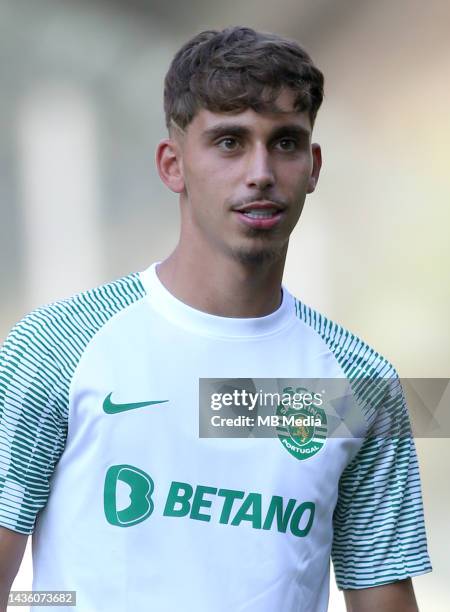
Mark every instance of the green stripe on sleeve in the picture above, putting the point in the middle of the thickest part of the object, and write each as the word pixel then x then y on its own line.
pixel 379 531
pixel 37 362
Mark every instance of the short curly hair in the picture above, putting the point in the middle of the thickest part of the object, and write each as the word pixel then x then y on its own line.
pixel 235 69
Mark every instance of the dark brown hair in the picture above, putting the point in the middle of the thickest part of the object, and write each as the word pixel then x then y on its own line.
pixel 235 69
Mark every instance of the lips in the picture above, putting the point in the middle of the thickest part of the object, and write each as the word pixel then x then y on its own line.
pixel 263 206
pixel 260 215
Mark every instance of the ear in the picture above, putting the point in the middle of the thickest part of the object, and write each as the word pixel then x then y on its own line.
pixel 169 164
pixel 317 164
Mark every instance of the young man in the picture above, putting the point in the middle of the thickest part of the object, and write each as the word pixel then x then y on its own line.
pixel 101 457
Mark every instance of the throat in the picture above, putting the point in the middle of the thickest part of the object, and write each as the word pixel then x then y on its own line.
pixel 227 289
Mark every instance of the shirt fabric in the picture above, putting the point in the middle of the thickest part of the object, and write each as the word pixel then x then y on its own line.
pixel 101 459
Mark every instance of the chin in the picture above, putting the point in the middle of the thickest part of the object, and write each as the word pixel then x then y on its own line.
pixel 257 256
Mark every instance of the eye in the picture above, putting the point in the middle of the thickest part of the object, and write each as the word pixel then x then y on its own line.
pixel 228 144
pixel 288 144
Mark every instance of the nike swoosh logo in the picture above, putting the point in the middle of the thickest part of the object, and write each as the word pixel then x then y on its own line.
pixel 110 408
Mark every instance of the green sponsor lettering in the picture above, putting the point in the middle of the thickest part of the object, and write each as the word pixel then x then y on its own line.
pixel 178 504
pixel 230 496
pixel 141 505
pixel 179 493
pixel 249 511
pixel 276 508
pixel 198 502
pixel 297 517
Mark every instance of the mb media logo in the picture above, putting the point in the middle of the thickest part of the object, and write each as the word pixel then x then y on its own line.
pixel 203 503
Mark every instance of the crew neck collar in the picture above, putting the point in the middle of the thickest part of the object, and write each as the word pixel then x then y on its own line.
pixel 198 321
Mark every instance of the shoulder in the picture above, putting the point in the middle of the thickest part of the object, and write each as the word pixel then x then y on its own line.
pixel 356 358
pixel 84 311
pixel 43 348
pixel 374 381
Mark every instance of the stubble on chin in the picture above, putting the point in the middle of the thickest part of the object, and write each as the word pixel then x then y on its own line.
pixel 257 255
pixel 256 258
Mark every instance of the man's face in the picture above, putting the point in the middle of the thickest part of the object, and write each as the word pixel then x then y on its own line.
pixel 245 178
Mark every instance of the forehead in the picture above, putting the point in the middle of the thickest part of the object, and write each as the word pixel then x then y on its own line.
pixel 282 114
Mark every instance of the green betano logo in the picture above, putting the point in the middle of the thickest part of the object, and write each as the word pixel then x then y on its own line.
pixel 184 500
pixel 141 489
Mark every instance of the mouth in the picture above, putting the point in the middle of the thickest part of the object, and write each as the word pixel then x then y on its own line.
pixel 260 215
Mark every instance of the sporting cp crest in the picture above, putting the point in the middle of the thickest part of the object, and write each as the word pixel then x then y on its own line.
pixel 302 427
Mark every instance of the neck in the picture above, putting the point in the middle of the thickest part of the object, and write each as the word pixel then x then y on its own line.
pixel 222 285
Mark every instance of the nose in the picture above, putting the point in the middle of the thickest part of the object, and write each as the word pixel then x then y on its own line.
pixel 259 171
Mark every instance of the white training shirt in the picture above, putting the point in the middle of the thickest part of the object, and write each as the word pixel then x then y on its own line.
pixel 101 459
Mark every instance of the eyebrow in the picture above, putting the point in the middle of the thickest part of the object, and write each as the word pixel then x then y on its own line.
pixel 240 131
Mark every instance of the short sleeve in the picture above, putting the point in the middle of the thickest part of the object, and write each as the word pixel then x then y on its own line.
pixel 379 531
pixel 32 426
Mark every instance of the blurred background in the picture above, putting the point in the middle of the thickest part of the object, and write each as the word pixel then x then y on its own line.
pixel 81 202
